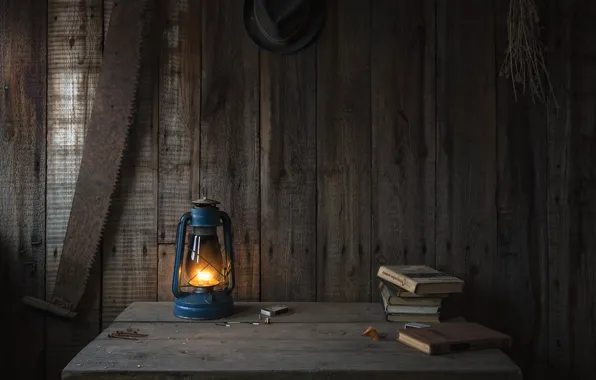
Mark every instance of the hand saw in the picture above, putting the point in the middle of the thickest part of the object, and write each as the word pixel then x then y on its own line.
pixel 111 117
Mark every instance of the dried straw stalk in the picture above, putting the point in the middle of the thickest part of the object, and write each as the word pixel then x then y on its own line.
pixel 524 61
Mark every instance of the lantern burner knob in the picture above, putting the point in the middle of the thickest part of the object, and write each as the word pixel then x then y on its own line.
pixel 205 202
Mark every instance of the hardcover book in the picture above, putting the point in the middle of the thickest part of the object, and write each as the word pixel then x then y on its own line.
pixel 453 337
pixel 420 279
pixel 423 314
pixel 391 292
pixel 408 318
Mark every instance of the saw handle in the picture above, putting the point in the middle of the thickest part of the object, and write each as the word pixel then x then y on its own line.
pixel 227 229
pixel 180 244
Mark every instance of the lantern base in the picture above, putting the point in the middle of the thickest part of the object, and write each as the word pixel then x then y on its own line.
pixel 213 305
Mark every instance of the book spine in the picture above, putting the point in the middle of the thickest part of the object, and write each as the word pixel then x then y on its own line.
pixel 386 295
pixel 398 279
pixel 405 309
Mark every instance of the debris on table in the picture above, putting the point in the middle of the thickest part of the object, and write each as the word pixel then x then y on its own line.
pixel 228 324
pixel 372 333
pixel 129 333
pixel 415 325
pixel 267 319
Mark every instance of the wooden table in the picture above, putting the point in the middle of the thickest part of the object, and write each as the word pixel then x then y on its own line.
pixel 313 341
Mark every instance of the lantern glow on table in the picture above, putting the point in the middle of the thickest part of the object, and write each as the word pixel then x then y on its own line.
pixel 203 278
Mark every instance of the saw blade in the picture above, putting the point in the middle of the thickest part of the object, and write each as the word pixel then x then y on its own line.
pixel 112 115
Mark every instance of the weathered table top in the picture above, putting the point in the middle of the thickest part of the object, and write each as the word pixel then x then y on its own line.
pixel 314 341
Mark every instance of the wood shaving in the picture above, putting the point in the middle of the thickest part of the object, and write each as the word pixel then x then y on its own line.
pixel 127 334
pixel 372 333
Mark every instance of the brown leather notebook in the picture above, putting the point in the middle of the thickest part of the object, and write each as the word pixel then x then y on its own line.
pixel 453 337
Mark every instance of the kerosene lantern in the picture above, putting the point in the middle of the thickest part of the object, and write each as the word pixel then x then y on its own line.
pixel 203 273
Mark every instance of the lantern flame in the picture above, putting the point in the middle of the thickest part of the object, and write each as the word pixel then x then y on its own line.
pixel 203 278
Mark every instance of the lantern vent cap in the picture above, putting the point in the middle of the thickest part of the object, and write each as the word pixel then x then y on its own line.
pixel 205 202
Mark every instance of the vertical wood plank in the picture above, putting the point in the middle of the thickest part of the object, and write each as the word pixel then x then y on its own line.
pixel 288 176
pixel 22 183
pixel 165 271
pixel 581 254
pixel 572 184
pixel 466 153
pixel 403 133
pixel 179 109
pixel 229 154
pixel 583 186
pixel 74 58
pixel 560 20
pixel 522 266
pixel 344 154
pixel 130 238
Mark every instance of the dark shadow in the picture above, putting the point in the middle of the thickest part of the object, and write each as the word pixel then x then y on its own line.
pixel 241 309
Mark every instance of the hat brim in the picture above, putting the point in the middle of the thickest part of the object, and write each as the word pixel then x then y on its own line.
pixel 310 34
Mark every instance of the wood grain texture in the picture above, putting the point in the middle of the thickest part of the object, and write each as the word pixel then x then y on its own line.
pixel 303 312
pixel 572 183
pixel 179 109
pixel 346 375
pixel 23 33
pixel 130 237
pixel 165 271
pixel 522 299
pixel 344 154
pixel 560 21
pixel 403 133
pixel 514 190
pixel 305 343
pixel 466 240
pixel 229 164
pixel 329 353
pixel 581 254
pixel 288 176
pixel 75 34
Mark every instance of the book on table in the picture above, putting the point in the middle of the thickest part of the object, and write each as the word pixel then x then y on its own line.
pixel 415 293
pixel 395 304
pixel 420 279
pixel 453 337
pixel 427 312
pixel 397 296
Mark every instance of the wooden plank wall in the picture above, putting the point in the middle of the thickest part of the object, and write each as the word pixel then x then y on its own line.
pixel 466 222
pixel 571 205
pixel 403 81
pixel 22 183
pixel 130 241
pixel 229 143
pixel 344 154
pixel 391 140
pixel 75 38
pixel 521 225
pixel 288 176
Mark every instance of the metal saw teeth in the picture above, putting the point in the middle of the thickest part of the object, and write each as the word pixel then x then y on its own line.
pixel 132 113
pixel 131 120
pixel 65 282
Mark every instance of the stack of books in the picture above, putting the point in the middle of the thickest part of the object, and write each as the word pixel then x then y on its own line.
pixel 414 293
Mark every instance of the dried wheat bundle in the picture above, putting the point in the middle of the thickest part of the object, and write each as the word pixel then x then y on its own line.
pixel 524 62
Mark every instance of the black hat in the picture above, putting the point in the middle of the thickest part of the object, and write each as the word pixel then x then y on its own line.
pixel 283 26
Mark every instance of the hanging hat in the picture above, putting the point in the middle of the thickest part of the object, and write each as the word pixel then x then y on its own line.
pixel 283 26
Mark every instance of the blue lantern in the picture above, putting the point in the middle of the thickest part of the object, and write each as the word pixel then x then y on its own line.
pixel 203 278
